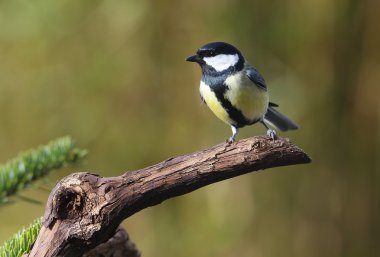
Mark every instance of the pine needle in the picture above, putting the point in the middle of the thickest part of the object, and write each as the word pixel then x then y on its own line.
pixel 22 241
pixel 19 172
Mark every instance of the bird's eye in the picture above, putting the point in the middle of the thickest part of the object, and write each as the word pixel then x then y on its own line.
pixel 206 52
pixel 210 53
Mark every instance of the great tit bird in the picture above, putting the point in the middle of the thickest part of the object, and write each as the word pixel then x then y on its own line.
pixel 235 91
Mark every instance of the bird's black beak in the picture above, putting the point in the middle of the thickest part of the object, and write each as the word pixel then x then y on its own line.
pixel 193 58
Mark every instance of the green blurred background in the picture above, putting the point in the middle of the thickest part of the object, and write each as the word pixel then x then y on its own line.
pixel 112 75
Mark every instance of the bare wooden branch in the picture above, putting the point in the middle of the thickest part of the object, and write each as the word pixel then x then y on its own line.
pixel 84 210
pixel 119 245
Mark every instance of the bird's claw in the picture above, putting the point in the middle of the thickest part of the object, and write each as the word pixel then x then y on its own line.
pixel 272 134
pixel 230 140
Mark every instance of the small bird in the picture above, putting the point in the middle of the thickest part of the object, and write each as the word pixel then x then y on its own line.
pixel 235 91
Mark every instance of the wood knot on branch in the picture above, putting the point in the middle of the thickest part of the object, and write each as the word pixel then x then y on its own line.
pixel 65 201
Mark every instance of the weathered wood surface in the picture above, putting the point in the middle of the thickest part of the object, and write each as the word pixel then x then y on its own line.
pixel 84 209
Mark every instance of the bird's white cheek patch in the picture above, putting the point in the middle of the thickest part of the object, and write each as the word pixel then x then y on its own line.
pixel 222 62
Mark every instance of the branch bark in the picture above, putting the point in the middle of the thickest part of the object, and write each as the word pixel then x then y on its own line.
pixel 119 245
pixel 84 209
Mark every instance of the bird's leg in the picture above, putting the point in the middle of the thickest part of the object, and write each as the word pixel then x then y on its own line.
pixel 235 130
pixel 270 132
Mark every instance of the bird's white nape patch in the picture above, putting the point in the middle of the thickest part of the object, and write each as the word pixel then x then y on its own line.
pixel 222 62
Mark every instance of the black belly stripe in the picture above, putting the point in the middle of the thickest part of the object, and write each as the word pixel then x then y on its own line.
pixel 235 114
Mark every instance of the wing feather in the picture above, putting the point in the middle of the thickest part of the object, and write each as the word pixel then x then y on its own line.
pixel 256 78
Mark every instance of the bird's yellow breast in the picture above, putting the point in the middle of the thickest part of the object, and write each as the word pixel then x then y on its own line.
pixel 244 95
pixel 213 103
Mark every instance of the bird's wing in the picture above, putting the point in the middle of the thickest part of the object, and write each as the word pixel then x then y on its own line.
pixel 256 78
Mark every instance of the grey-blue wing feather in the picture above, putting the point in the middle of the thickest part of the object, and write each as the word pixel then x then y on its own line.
pixel 256 78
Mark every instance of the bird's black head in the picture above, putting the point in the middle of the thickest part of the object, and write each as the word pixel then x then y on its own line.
pixel 219 57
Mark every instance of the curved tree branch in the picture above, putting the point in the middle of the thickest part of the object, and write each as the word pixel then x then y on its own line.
pixel 84 210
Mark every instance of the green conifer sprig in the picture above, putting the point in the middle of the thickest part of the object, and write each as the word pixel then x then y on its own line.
pixel 21 242
pixel 17 173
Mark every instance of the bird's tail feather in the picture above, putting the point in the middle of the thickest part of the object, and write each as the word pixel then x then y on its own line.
pixel 279 120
